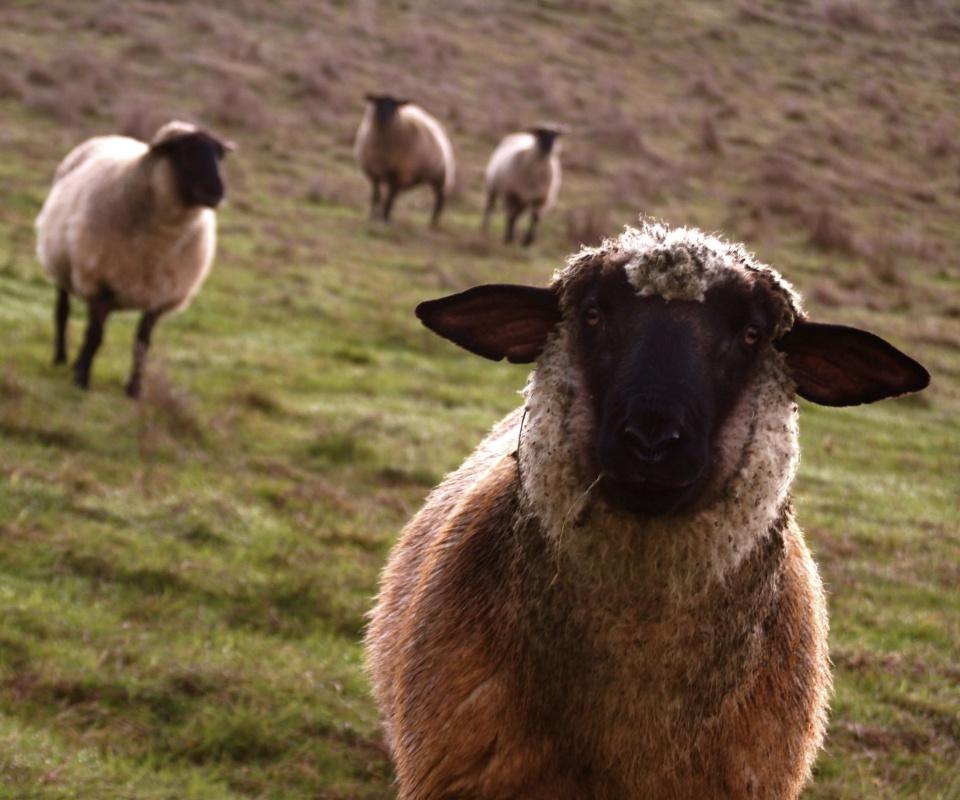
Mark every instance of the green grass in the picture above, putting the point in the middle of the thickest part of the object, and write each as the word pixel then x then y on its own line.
pixel 183 580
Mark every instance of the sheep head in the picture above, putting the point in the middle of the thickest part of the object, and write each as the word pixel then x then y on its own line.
pixel 194 157
pixel 385 106
pixel 664 335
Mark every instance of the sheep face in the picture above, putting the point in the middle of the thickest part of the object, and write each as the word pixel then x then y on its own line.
pixel 384 108
pixel 194 160
pixel 546 138
pixel 662 378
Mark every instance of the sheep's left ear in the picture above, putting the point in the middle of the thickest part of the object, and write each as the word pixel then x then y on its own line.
pixel 495 321
pixel 834 365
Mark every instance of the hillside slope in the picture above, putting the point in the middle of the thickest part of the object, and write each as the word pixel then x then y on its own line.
pixel 183 580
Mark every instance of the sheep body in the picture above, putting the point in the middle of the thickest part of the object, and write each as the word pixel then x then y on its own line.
pixel 91 233
pixel 534 639
pixel 525 171
pixel 402 146
pixel 122 228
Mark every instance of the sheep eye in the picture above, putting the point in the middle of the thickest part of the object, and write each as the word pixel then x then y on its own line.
pixel 591 316
pixel 751 334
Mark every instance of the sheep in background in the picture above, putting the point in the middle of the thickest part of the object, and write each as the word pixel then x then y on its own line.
pixel 401 145
pixel 611 597
pixel 525 171
pixel 129 225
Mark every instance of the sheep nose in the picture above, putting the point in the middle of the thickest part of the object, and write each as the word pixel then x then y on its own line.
pixel 650 436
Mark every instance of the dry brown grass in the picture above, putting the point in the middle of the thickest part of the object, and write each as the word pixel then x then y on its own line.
pixel 588 226
pixel 831 232
pixel 235 104
pixel 941 138
pixel 710 140
pixel 74 84
pixel 850 15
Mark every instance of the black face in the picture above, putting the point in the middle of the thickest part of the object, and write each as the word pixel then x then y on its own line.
pixel 384 107
pixel 545 139
pixel 196 161
pixel 663 377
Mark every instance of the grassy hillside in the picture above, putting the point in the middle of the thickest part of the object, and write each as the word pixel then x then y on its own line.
pixel 183 579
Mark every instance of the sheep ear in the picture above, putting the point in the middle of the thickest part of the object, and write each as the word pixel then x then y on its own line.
pixel 227 145
pixel 495 321
pixel 834 365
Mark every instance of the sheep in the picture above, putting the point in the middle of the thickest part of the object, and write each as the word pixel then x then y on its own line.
pixel 130 225
pixel 401 145
pixel 611 597
pixel 525 170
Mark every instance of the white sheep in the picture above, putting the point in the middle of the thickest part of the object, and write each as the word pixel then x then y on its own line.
pixel 400 145
pixel 129 225
pixel 611 597
pixel 524 170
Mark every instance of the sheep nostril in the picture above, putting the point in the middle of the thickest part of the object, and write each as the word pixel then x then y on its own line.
pixel 650 441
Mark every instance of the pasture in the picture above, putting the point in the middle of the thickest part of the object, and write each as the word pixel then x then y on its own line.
pixel 183 579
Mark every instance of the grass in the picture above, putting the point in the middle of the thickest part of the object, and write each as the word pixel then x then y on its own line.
pixel 183 580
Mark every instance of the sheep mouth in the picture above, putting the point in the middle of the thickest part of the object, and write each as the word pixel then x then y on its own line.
pixel 650 497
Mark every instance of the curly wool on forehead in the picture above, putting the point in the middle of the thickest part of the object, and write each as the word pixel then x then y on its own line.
pixel 678 264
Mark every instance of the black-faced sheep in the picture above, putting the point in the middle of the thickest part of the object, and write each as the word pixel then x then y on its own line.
pixel 525 171
pixel 130 225
pixel 611 597
pixel 400 145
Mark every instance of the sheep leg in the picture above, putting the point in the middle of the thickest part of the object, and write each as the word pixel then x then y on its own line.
pixel 488 210
pixel 61 315
pixel 512 215
pixel 437 204
pixel 141 344
pixel 375 200
pixel 388 203
pixel 98 309
pixel 532 230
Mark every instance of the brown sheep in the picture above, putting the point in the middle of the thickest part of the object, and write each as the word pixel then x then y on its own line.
pixel 611 597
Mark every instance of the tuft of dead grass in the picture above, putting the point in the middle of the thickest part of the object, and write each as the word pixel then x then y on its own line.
pixel 941 138
pixel 11 86
pixel 710 140
pixel 166 413
pixel 237 105
pixel 109 18
pixel 72 85
pixel 830 232
pixel 587 226
pixel 138 120
pixel 850 15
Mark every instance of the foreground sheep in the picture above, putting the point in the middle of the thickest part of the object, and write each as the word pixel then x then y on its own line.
pixel 130 226
pixel 401 145
pixel 611 597
pixel 525 171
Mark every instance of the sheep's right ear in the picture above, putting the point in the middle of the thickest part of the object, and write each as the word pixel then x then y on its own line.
pixel 495 321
